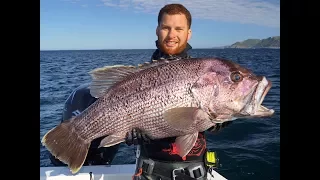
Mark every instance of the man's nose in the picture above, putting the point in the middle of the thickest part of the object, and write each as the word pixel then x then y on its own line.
pixel 172 33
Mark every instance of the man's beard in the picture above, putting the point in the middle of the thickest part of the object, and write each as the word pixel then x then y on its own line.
pixel 171 51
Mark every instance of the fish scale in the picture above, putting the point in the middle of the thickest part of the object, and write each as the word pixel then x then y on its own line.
pixel 154 106
pixel 176 98
pixel 149 107
pixel 176 87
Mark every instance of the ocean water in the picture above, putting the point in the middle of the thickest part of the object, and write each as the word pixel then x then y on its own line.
pixel 248 149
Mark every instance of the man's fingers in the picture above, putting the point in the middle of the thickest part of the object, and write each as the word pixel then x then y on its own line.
pixel 146 138
pixel 129 138
pixel 135 137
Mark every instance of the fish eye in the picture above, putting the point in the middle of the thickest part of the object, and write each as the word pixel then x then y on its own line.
pixel 236 77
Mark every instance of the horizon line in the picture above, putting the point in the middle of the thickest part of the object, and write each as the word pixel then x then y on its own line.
pixel 117 49
pixel 149 49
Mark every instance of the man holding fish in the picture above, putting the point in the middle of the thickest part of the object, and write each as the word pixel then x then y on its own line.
pixel 165 106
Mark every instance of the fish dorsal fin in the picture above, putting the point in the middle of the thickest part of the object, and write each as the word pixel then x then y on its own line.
pixel 103 78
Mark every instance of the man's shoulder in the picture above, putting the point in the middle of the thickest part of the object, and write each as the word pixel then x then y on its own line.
pixel 80 92
pixel 78 100
pixel 84 88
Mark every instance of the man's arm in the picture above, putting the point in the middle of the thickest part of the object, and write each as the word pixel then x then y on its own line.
pixel 136 137
pixel 218 127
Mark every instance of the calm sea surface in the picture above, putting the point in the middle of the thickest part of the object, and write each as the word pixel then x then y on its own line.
pixel 247 149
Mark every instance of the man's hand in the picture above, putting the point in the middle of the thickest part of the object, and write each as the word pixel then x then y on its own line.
pixel 217 128
pixel 136 137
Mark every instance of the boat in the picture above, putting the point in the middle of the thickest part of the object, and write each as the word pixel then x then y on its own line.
pixel 98 172
pixel 102 172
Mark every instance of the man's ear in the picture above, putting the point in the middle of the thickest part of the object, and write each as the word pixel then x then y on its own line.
pixel 157 31
pixel 189 34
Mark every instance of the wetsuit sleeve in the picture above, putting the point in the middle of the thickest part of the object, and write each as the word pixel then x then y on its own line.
pixel 219 127
pixel 78 100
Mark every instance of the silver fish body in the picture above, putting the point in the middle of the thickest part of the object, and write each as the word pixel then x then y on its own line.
pixel 164 99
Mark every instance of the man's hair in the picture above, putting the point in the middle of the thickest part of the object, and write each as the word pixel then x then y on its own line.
pixel 172 9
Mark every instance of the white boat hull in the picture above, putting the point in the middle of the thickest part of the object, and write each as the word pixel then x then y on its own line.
pixel 101 172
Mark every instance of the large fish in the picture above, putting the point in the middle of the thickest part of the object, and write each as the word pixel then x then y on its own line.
pixel 176 98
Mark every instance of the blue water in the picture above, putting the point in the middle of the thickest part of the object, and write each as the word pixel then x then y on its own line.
pixel 248 149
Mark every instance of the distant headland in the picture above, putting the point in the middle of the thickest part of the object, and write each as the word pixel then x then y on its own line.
pixel 270 42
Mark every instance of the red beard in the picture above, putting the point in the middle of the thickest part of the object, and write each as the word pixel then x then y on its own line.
pixel 170 51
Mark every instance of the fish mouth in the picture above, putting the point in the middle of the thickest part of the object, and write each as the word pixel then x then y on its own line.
pixel 255 108
pixel 262 90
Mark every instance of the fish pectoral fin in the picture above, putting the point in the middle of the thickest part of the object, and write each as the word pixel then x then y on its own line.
pixel 185 143
pixel 181 117
pixel 112 140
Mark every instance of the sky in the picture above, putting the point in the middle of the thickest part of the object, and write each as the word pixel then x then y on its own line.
pixel 131 24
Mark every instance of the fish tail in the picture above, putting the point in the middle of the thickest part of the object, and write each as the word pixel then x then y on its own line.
pixel 66 145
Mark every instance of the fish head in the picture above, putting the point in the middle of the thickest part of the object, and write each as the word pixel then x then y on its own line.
pixel 228 91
